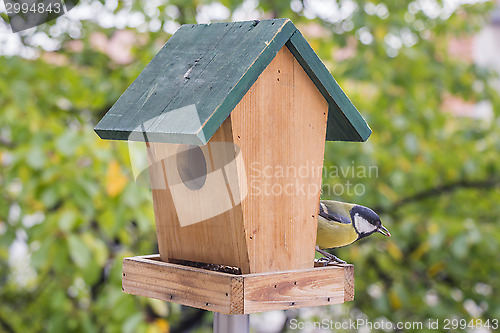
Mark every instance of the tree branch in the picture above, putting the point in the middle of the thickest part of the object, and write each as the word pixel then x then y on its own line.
pixel 6 326
pixel 444 189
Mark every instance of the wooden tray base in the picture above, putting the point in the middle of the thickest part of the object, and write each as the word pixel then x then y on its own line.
pixel 237 294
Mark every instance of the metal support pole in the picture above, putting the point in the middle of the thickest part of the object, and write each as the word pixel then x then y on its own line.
pixel 224 323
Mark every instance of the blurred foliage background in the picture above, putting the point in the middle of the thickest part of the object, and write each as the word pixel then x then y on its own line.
pixel 70 209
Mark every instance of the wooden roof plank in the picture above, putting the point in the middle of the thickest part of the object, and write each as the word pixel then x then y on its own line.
pixel 201 74
pixel 117 123
pixel 188 56
pixel 235 55
pixel 195 84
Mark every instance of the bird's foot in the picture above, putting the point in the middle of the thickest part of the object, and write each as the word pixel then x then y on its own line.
pixel 331 261
pixel 323 260
pixel 329 258
pixel 337 259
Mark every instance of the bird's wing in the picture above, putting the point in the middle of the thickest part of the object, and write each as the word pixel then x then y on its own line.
pixel 333 234
pixel 330 215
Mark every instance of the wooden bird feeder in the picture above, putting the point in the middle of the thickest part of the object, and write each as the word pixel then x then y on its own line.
pixel 234 116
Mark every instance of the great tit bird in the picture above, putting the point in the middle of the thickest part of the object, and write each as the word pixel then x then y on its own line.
pixel 341 224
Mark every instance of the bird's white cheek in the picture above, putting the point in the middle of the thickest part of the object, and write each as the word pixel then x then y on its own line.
pixel 362 225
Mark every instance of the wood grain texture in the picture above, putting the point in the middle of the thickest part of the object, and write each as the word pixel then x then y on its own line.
pixel 203 289
pixel 279 125
pixel 183 231
pixel 235 294
pixel 289 290
pixel 349 283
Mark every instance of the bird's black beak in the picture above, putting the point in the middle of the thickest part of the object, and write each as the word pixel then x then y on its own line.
pixel 384 231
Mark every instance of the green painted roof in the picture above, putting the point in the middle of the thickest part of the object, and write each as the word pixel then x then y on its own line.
pixel 194 82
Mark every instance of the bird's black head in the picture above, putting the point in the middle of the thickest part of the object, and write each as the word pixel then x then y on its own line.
pixel 366 222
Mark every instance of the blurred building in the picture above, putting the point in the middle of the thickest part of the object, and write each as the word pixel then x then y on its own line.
pixel 482 49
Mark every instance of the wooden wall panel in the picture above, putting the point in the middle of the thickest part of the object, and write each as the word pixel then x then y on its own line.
pixel 280 125
pixel 182 231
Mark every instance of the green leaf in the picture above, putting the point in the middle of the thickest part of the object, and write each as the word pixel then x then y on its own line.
pixel 68 142
pixel 78 251
pixel 67 221
pixel 36 158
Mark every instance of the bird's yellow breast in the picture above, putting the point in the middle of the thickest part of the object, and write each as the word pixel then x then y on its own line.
pixel 334 234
